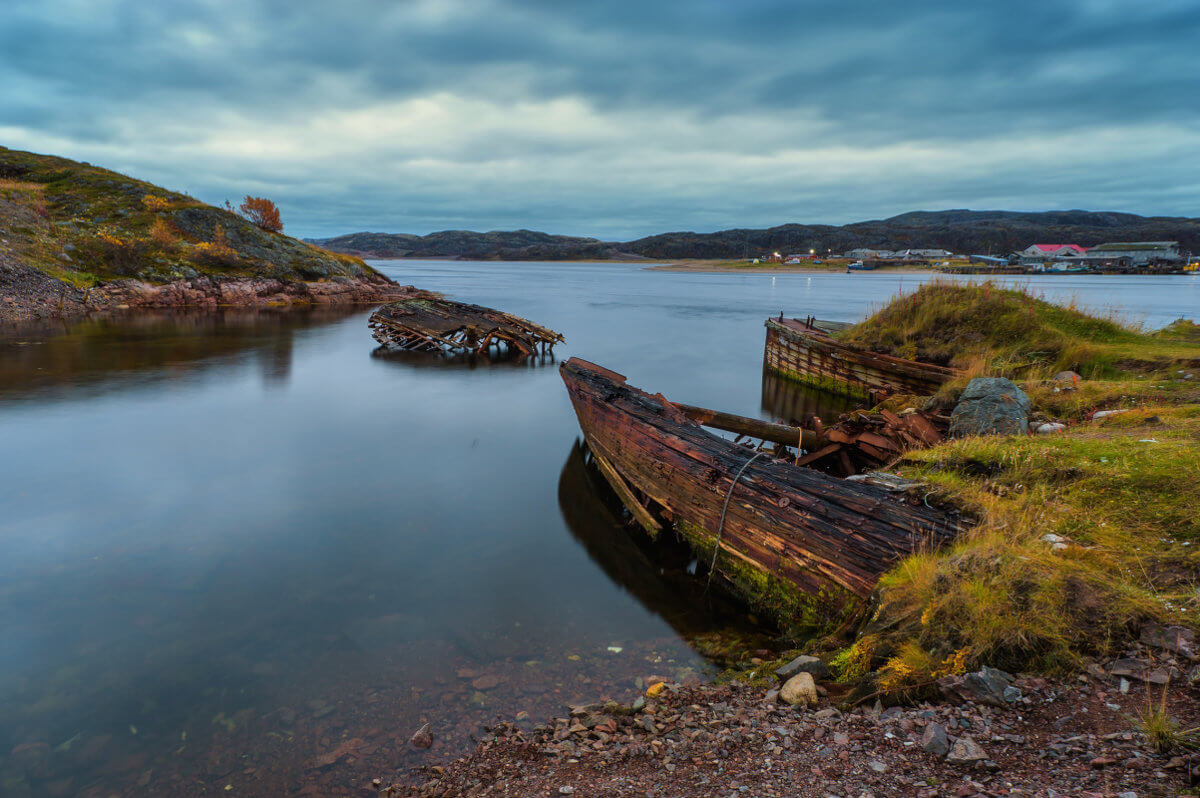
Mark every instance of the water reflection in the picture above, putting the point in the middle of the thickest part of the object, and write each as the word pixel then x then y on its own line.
pixel 505 358
pixel 90 355
pixel 789 402
pixel 663 575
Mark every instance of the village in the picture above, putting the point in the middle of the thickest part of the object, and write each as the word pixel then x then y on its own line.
pixel 1117 257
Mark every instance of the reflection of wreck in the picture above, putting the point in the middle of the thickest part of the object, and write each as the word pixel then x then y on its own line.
pixel 805 350
pixel 788 402
pixel 432 324
pixel 830 538
pixel 657 574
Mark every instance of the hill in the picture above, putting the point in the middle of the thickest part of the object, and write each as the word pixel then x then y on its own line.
pixel 76 237
pixel 501 245
pixel 962 231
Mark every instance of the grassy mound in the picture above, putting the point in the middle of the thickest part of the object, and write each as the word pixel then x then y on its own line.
pixel 1082 536
pixel 87 225
pixel 984 328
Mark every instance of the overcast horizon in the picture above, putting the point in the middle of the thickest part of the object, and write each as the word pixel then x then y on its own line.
pixel 619 120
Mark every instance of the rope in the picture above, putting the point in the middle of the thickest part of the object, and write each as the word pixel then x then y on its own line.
pixel 721 526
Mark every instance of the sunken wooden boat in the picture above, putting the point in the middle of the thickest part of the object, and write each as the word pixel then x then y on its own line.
pixel 433 324
pixel 805 350
pixel 826 539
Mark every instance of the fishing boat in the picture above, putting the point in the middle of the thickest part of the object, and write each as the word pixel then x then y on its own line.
pixel 828 538
pixel 805 350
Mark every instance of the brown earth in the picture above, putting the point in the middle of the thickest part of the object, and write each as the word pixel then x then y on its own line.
pixel 1077 737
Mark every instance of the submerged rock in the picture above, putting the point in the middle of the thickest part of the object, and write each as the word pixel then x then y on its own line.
pixel 422 738
pixel 991 406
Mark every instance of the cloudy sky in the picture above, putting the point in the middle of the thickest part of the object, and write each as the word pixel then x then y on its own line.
pixel 617 118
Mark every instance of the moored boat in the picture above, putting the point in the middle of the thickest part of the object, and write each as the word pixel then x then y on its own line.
pixel 825 540
pixel 805 350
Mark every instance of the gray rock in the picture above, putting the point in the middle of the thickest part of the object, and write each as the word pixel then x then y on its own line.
pixel 991 406
pixel 966 751
pixel 1139 670
pixel 1012 694
pixel 934 740
pixel 803 664
pixel 985 686
pixel 1067 376
pixel 1171 638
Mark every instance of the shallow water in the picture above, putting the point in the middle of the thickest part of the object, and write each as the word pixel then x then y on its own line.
pixel 247 549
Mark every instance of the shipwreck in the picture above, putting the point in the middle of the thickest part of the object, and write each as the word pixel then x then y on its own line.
pixel 806 350
pixel 433 324
pixel 825 538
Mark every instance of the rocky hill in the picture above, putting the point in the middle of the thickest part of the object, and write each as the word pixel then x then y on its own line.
pixel 75 237
pixel 960 231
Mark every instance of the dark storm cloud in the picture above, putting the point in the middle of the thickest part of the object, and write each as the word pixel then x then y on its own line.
pixel 616 118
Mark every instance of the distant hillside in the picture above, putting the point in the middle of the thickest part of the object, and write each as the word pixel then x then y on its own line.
pixel 502 245
pixel 961 231
pixel 77 237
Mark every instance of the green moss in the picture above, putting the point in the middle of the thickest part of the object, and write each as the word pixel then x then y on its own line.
pixel 827 384
pixel 797 614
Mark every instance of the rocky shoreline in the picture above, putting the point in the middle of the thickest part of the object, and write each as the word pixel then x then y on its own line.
pixel 987 734
pixel 27 294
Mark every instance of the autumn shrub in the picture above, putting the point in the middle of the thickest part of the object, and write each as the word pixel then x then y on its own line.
pixel 216 252
pixel 155 203
pixel 262 212
pixel 163 234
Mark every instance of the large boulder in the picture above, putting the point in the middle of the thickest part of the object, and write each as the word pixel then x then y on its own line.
pixel 803 664
pixel 991 406
pixel 800 690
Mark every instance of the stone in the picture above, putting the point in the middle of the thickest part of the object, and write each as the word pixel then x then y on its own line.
pixel 991 406
pixel 1137 669
pixel 1050 427
pixel 877 766
pixel 1101 414
pixel 1171 638
pixel 985 686
pixel 803 664
pixel 422 737
pixel 1056 542
pixel 1067 376
pixel 934 739
pixel 966 751
pixel 800 690
pixel 486 682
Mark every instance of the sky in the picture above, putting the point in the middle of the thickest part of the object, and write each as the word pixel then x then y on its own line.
pixel 621 118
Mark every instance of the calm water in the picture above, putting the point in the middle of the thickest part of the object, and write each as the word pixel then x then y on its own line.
pixel 247 550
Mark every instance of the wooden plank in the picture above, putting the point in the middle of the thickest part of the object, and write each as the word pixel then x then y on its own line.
pixel 619 486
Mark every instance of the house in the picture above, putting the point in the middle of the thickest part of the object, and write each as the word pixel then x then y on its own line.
pixel 927 253
pixel 1136 253
pixel 1053 251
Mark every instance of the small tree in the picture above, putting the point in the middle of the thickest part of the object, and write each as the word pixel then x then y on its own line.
pixel 262 212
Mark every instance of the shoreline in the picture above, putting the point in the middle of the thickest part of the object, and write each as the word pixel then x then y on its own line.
pixel 705 267
pixel 989 733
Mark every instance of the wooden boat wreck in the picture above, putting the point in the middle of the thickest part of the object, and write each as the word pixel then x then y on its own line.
pixel 805 350
pixel 827 540
pixel 432 324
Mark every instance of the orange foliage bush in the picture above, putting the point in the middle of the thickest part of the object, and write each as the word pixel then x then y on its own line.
pixel 216 252
pixel 163 233
pixel 154 203
pixel 262 212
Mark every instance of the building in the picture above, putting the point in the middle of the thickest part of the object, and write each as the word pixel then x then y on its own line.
pixel 1136 253
pixel 1053 251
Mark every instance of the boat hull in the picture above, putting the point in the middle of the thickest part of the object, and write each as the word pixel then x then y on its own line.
pixel 805 352
pixel 826 538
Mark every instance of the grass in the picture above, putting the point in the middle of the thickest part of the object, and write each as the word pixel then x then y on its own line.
pixel 1119 492
pixel 86 225
pixel 1003 332
pixel 1164 734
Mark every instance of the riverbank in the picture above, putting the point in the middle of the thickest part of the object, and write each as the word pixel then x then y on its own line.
pixel 749 267
pixel 1097 734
